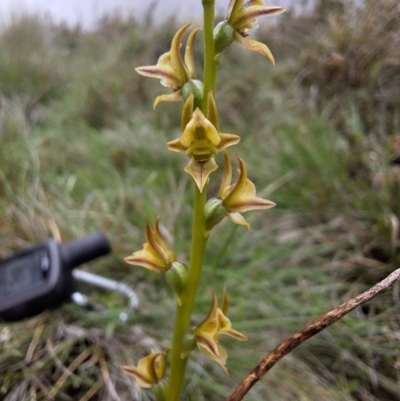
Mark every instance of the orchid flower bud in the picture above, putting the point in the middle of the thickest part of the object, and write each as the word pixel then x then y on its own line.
pixel 176 277
pixel 224 35
pixel 214 213
pixel 193 87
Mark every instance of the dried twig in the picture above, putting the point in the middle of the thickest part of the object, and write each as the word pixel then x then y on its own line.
pixel 107 379
pixel 69 371
pixel 310 329
pixel 34 342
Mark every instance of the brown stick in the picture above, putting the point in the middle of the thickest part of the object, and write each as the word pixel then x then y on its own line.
pixel 310 329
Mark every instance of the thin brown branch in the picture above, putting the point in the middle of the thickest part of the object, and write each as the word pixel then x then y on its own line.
pixel 309 330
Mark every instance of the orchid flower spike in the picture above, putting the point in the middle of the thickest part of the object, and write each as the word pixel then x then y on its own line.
pixel 214 325
pixel 173 71
pixel 149 370
pixel 241 196
pixel 201 140
pixel 242 17
pixel 156 254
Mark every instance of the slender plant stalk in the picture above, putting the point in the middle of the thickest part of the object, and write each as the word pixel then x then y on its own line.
pixel 182 320
pixel 199 241
pixel 210 67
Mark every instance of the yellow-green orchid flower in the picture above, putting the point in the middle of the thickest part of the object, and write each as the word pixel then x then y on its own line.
pixel 149 370
pixel 171 69
pixel 242 17
pixel 208 331
pixel 241 196
pixel 201 140
pixel 156 254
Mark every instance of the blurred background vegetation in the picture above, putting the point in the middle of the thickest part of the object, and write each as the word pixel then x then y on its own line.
pixel 81 150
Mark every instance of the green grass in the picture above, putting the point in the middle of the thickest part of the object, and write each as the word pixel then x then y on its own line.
pixel 81 150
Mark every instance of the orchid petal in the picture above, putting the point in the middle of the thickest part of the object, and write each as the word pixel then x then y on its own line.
pixel 255 46
pixel 234 8
pixel 237 218
pixel 162 246
pixel 227 140
pixel 176 58
pixel 169 97
pixel 220 357
pixel 212 312
pixel 176 146
pixel 225 327
pixel 187 111
pixel 189 57
pixel 212 110
pixel 226 177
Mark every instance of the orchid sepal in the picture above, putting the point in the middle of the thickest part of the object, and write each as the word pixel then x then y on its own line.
pixel 214 213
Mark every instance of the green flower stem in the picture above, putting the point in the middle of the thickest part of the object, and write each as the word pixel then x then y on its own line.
pixel 184 312
pixel 210 65
pixel 199 240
